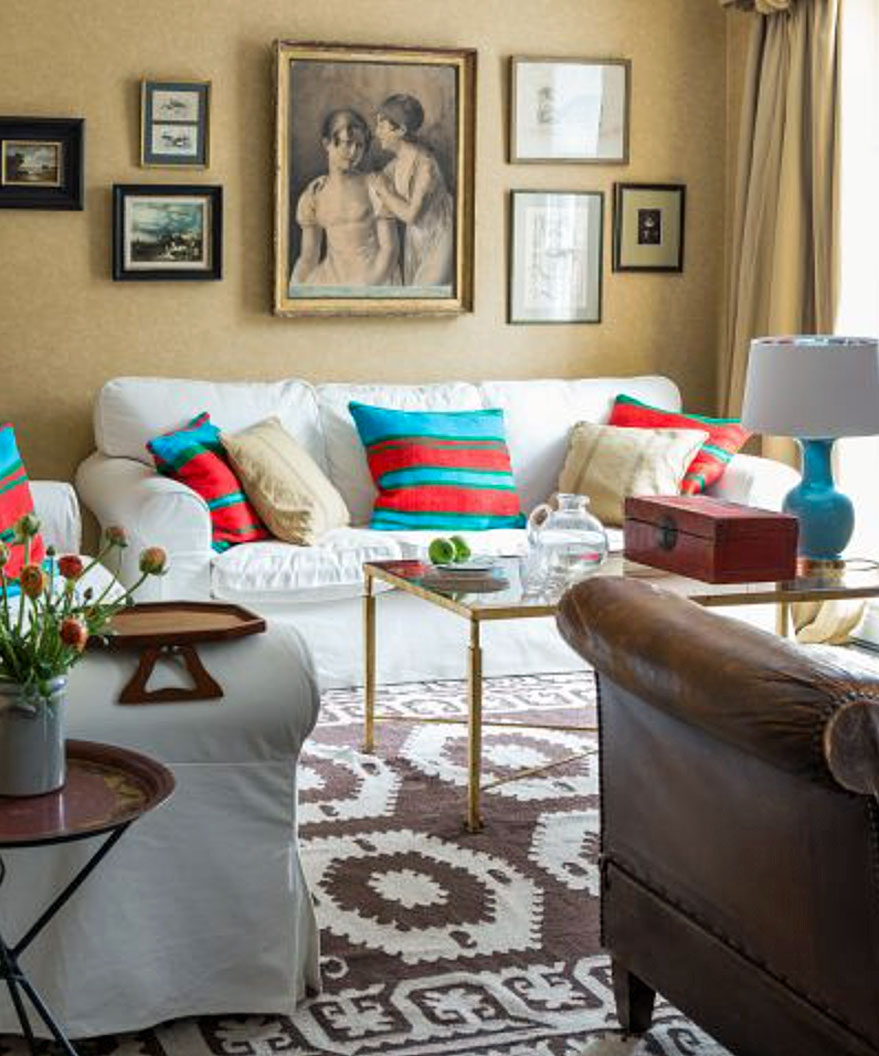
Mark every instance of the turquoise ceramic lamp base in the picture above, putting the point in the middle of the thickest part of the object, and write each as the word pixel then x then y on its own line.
pixel 826 516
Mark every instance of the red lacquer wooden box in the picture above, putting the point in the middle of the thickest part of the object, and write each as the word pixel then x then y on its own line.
pixel 710 539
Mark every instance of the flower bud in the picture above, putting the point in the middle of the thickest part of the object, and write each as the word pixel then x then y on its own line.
pixel 33 580
pixel 115 536
pixel 4 555
pixel 74 633
pixel 70 566
pixel 26 527
pixel 153 561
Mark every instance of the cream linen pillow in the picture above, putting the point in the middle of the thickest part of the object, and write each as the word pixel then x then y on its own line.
pixel 288 489
pixel 609 462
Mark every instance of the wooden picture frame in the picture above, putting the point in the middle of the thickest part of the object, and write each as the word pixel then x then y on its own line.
pixel 569 110
pixel 386 135
pixel 556 250
pixel 41 162
pixel 167 232
pixel 648 226
pixel 175 124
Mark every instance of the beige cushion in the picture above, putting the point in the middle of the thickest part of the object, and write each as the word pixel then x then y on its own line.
pixel 286 486
pixel 608 462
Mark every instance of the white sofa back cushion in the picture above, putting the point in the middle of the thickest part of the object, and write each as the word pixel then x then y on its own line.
pixel 540 414
pixel 130 411
pixel 346 458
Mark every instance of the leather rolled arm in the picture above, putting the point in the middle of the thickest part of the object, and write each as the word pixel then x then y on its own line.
pixel 767 696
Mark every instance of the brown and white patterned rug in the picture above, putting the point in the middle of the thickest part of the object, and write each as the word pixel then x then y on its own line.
pixel 437 942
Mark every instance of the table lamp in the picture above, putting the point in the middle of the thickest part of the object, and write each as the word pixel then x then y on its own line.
pixel 815 388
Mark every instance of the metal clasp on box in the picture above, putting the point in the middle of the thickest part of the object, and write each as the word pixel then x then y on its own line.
pixel 666 534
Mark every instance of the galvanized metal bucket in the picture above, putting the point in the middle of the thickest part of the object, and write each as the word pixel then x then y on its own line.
pixel 32 738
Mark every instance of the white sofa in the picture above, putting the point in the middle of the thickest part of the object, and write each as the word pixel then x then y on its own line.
pixel 319 587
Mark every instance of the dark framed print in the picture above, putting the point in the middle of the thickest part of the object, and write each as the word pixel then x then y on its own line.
pixel 555 256
pixel 569 110
pixel 374 180
pixel 41 162
pixel 175 123
pixel 648 226
pixel 167 232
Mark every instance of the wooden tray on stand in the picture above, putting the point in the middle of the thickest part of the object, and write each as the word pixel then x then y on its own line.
pixel 174 628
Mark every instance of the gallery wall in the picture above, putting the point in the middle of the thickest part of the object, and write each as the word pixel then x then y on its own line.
pixel 65 326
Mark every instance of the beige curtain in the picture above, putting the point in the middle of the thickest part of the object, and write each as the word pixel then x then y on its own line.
pixel 783 276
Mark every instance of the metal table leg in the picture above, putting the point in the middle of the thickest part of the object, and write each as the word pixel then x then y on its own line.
pixel 369 663
pixel 474 739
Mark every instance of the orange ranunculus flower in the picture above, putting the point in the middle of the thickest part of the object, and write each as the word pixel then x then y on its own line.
pixel 115 536
pixel 26 527
pixel 70 566
pixel 33 580
pixel 74 633
pixel 153 560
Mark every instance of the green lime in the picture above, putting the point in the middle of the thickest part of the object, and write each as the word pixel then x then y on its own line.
pixel 441 551
pixel 462 550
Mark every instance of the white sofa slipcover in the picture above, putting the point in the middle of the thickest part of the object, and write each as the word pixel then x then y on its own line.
pixel 202 908
pixel 318 588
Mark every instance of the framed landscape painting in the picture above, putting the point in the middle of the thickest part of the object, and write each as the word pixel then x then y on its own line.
pixel 374 180
pixel 167 232
pixel 41 163
pixel 555 256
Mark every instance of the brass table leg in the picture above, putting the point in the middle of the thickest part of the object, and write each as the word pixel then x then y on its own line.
pixel 369 663
pixel 782 619
pixel 474 740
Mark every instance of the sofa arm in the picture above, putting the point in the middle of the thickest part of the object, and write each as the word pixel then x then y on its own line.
pixel 755 481
pixel 57 507
pixel 154 511
pixel 763 694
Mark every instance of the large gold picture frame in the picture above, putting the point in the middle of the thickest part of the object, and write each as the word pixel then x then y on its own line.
pixel 374 180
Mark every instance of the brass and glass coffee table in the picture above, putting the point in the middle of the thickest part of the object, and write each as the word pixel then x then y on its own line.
pixel 514 602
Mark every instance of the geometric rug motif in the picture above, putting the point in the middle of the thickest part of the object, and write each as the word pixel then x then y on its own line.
pixel 435 941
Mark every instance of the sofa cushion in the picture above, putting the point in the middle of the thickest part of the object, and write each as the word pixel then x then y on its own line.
pixel 346 458
pixel 15 502
pixel 541 413
pixel 272 571
pixel 443 470
pixel 288 489
pixel 725 437
pixel 129 411
pixel 194 455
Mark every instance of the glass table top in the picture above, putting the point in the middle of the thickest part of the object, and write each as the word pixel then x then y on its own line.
pixel 503 590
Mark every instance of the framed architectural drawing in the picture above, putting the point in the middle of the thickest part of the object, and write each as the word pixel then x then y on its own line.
pixel 555 256
pixel 648 226
pixel 175 124
pixel 167 231
pixel 374 180
pixel 573 110
pixel 41 162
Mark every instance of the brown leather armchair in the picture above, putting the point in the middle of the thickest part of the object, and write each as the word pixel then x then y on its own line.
pixel 740 828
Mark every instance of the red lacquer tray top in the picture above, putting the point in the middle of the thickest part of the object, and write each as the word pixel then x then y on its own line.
pixel 106 787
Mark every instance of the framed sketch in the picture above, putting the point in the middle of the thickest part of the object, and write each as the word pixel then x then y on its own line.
pixel 374 180
pixel 167 232
pixel 175 124
pixel 555 256
pixel 569 110
pixel 648 226
pixel 41 162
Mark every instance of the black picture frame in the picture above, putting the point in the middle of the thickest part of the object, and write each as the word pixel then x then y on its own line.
pixel 648 226
pixel 181 227
pixel 556 254
pixel 42 162
pixel 175 124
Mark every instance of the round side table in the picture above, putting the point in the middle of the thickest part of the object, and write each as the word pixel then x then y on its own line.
pixel 107 789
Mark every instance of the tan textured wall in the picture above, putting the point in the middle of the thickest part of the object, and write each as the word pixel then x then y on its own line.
pixel 65 326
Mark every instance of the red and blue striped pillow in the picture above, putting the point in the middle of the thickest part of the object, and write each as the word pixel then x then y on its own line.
pixel 194 455
pixel 725 437
pixel 446 470
pixel 15 502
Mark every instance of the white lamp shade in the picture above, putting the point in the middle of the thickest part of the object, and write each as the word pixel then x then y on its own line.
pixel 812 387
